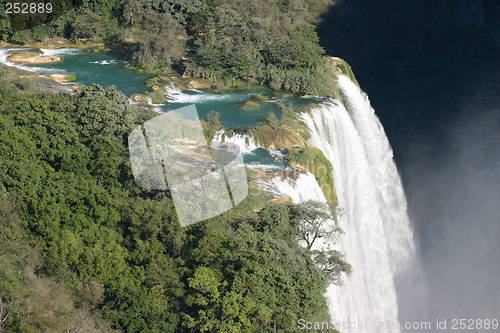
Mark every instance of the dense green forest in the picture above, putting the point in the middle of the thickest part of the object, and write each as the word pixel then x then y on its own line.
pixel 84 249
pixel 230 42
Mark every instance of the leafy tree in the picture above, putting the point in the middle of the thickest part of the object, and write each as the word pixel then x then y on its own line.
pixel 333 263
pixel 92 112
pixel 21 37
pixel 308 221
pixel 313 220
pixel 87 25
pixel 160 39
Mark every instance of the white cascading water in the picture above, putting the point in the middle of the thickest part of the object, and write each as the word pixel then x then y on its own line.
pixel 175 95
pixel 378 240
pixel 303 188
pixel 6 52
pixel 246 142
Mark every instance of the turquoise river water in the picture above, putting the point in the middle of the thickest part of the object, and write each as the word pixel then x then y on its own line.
pixel 109 68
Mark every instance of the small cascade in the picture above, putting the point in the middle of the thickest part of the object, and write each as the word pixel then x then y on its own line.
pixel 60 51
pixel 245 141
pixel 175 95
pixel 190 88
pixel 191 95
pixel 104 62
pixel 302 188
pixel 172 91
pixel 147 101
pixel 6 52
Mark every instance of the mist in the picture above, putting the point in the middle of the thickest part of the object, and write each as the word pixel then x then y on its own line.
pixel 453 190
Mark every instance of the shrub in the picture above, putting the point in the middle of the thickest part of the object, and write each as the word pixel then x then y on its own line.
pixel 21 37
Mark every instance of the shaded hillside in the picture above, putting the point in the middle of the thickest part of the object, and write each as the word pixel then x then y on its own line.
pixel 417 60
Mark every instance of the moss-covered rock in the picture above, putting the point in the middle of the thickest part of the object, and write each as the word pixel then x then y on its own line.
pixel 155 97
pixel 278 200
pixel 254 102
pixel 341 67
pixel 313 160
pixel 63 78
pixel 139 98
pixel 250 104
pixel 275 137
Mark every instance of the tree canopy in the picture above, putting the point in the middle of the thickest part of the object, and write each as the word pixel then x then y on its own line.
pixel 272 42
pixel 100 254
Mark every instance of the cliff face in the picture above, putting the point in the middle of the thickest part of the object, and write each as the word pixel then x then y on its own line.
pixel 471 12
pixel 419 61
pixel 399 38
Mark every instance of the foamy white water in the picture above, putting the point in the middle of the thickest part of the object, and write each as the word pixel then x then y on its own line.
pixel 5 53
pixel 303 188
pixel 176 95
pixel 245 141
pixel 378 240
pixel 104 62
pixel 60 51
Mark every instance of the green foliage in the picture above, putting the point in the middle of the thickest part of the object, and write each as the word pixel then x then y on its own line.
pixel 93 116
pixel 157 30
pixel 313 220
pixel 307 222
pixel 160 39
pixel 86 245
pixel 272 42
pixel 256 282
pixel 333 263
pixel 241 41
pixel 87 25
pixel 28 303
pixel 316 80
pixel 41 32
pixel 21 37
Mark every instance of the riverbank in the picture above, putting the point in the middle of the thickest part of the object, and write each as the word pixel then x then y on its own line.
pixel 178 75
pixel 56 43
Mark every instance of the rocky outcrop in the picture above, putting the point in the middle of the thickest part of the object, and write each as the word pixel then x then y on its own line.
pixel 62 78
pixel 30 57
pixel 199 83
pixel 253 102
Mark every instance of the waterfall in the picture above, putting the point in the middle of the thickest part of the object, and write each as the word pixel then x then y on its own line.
pixel 303 188
pixel 378 240
pixel 246 142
